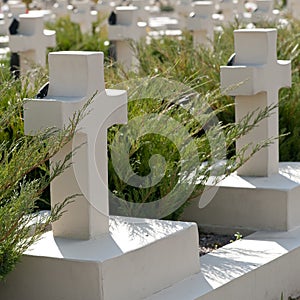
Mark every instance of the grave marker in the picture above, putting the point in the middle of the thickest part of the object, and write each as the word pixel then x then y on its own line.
pixel 201 23
pixel 263 194
pixel 81 256
pixel 87 217
pixel 83 15
pixel 255 79
pixel 31 41
pixel 105 7
pixel 227 10
pixel 264 11
pixel 183 9
pixel 125 30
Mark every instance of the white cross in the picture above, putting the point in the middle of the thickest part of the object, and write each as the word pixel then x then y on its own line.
pixel 31 41
pixel 264 11
pixel 227 8
pixel 73 78
pixel 126 29
pixel 255 79
pixel 202 23
pixel 83 15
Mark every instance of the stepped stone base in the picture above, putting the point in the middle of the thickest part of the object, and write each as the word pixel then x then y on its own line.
pixel 262 266
pixel 252 203
pixel 136 259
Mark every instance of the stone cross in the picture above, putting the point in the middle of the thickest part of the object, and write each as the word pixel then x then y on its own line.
pixel 83 15
pixel 143 14
pixel 123 31
pixel 104 8
pixel 183 8
pixel 74 76
pixel 255 78
pixel 227 8
pixel 31 41
pixel 264 11
pixel 201 23
pixel 294 8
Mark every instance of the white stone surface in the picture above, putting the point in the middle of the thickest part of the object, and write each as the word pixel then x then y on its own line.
pixel 83 15
pixel 252 203
pixel 5 21
pixel 137 258
pixel 104 8
pixel 294 8
pixel 16 8
pixel 31 41
pixel 90 255
pixel 227 8
pixel 183 8
pixel 255 79
pixel 201 23
pixel 73 78
pixel 261 266
pixel 264 11
pixel 126 30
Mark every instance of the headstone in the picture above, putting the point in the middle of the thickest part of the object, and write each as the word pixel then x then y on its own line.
pixel 89 255
pixel 31 41
pixel 84 15
pixel 183 9
pixel 263 194
pixel 142 13
pixel 227 10
pixel 87 217
pixel 255 79
pixel 201 23
pixel 104 8
pixel 123 32
pixel 264 11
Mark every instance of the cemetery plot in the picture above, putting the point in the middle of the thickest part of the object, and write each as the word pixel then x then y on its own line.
pixel 88 251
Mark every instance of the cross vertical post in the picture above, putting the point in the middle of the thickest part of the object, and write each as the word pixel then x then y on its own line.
pixel 255 79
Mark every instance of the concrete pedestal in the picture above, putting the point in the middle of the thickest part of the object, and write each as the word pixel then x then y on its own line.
pixel 252 203
pixel 136 259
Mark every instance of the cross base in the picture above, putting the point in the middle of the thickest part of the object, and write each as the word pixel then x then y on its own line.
pixel 138 258
pixel 252 203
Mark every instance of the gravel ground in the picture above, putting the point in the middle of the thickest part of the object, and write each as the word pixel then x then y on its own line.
pixel 211 241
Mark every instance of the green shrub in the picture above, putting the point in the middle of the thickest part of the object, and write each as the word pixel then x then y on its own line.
pixel 156 116
pixel 175 82
pixel 20 187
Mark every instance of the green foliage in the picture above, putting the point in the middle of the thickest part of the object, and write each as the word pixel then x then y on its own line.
pixel 176 59
pixel 69 36
pixel 20 188
pixel 237 237
pixel 158 110
pixel 174 81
